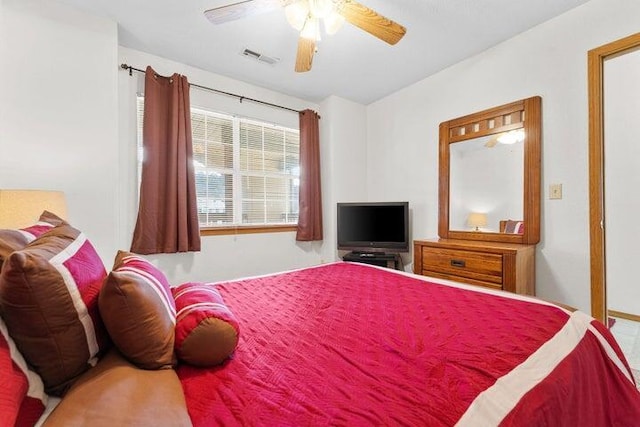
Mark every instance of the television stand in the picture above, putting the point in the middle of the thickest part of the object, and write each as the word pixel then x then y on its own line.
pixel 381 259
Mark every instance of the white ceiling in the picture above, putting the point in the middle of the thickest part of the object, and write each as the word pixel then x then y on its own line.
pixel 351 64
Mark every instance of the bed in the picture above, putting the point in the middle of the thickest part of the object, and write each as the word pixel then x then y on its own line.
pixel 340 344
pixel 354 344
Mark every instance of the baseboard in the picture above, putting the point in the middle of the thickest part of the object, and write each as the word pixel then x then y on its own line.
pixel 623 315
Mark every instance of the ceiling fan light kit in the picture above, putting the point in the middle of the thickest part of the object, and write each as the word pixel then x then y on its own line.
pixel 303 13
pixel 305 16
pixel 506 138
pixel 511 137
pixel 297 14
pixel 321 8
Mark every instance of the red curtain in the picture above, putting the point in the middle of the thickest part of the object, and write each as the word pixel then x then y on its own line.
pixel 167 215
pixel 310 216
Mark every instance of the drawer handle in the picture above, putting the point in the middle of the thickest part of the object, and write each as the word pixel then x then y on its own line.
pixel 457 263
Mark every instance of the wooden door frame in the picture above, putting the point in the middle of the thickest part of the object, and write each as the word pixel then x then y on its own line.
pixel 596 58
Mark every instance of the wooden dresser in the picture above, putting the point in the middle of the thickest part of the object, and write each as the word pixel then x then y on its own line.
pixel 496 265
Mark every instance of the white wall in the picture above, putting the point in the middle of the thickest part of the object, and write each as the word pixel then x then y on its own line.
pixel 58 110
pixel 549 60
pixel 344 172
pixel 622 180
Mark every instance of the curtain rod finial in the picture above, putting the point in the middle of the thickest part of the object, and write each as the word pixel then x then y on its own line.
pixel 127 67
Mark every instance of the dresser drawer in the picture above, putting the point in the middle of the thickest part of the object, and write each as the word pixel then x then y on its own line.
pixel 485 267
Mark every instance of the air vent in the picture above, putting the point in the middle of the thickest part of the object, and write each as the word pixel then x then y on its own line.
pixel 260 57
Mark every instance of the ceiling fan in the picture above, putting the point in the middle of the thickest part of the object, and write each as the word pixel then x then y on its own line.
pixel 306 15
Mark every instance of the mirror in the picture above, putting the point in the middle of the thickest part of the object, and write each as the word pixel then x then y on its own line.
pixel 486 182
pixel 490 174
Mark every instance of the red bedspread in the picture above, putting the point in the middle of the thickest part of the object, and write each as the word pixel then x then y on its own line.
pixel 350 344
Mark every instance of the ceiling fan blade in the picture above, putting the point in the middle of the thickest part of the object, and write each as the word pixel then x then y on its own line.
pixel 304 58
pixel 371 21
pixel 243 9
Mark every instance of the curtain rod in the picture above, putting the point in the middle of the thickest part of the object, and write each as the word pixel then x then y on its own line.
pixel 240 97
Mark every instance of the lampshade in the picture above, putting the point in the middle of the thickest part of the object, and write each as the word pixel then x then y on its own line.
pixel 297 14
pixel 311 29
pixel 321 8
pixel 333 22
pixel 477 219
pixel 21 208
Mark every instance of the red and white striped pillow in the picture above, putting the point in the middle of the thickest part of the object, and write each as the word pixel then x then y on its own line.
pixel 514 227
pixel 49 301
pixel 207 332
pixel 22 396
pixel 13 240
pixel 139 312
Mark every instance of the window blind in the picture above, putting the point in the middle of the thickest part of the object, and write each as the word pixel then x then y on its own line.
pixel 247 171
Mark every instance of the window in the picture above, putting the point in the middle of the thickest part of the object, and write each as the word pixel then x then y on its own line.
pixel 247 172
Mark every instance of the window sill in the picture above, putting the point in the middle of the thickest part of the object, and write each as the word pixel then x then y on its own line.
pixel 247 229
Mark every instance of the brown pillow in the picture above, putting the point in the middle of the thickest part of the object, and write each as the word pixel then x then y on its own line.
pixel 139 312
pixel 49 301
pixel 13 240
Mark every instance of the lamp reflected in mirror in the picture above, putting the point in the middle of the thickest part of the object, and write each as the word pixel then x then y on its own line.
pixel 477 220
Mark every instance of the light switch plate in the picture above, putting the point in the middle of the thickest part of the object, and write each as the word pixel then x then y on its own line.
pixel 555 191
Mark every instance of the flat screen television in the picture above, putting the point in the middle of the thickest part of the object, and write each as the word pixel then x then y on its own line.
pixel 373 226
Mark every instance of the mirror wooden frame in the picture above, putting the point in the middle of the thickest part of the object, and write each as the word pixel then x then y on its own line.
pixel 525 114
pixel 596 58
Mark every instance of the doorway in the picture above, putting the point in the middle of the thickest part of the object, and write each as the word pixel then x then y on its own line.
pixel 598 196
